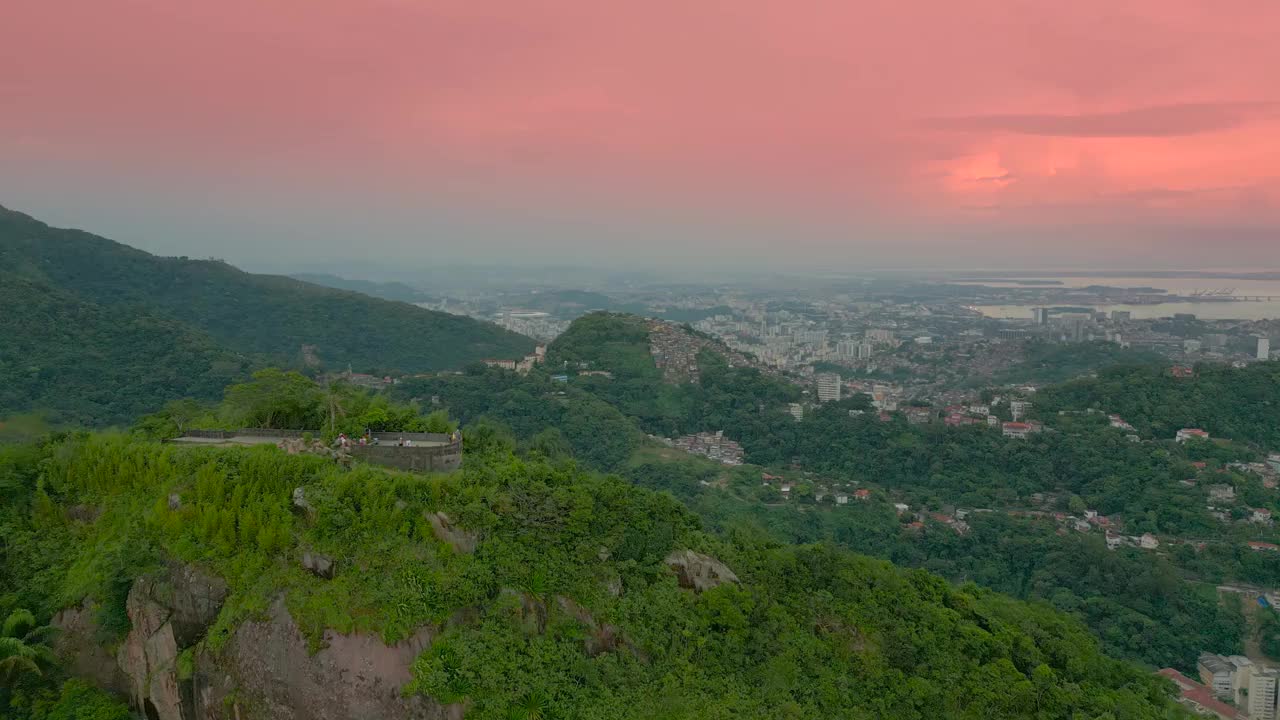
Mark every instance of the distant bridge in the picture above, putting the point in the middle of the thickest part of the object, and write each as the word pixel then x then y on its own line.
pixel 1227 295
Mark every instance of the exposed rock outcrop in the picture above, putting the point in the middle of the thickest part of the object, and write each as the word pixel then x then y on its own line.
pixel 319 565
pixel 84 513
pixel 445 531
pixel 699 572
pixel 603 637
pixel 266 671
pixel 77 645
pixel 169 611
pixel 613 586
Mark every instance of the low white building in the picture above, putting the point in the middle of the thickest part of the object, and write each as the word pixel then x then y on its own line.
pixel 1186 434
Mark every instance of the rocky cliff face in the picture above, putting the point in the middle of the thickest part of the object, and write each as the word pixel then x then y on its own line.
pixel 264 672
pixel 267 672
pixel 169 612
pixel 695 571
pixel 77 646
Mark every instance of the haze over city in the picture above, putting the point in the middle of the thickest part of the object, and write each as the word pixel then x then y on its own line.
pixel 390 135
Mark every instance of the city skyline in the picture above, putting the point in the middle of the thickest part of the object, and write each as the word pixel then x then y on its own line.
pixel 396 134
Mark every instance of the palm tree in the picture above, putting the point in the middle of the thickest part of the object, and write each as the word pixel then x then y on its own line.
pixel 535 705
pixel 22 646
pixel 335 393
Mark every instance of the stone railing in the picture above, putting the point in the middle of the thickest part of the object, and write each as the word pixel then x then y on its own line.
pixel 424 452
pixel 417 458
pixel 243 432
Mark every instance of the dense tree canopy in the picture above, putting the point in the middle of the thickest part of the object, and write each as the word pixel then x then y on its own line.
pixel 1242 404
pixel 288 400
pixel 83 364
pixel 1082 463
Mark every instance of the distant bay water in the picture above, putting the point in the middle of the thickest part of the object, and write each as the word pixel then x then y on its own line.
pixel 1206 310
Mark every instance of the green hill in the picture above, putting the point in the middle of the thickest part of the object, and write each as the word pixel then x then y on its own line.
pixel 96 332
pixel 85 364
pixel 725 391
pixel 1235 403
pixel 513 588
pixel 386 290
pixel 267 315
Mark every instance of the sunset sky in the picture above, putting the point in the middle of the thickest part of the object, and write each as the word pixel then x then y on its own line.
pixel 983 133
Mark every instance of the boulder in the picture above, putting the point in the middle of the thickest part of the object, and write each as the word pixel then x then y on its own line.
pixel 319 565
pixel 175 501
pixel 699 572
pixel 300 500
pixel 457 538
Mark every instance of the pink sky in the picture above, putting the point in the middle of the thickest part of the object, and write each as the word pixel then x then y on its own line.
pixel 1112 123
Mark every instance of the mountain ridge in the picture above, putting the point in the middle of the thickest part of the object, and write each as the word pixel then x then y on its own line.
pixel 256 319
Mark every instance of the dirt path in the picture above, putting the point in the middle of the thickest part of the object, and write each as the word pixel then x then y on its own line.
pixel 1249 607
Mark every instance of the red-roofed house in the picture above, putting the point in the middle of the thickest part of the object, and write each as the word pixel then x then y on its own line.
pixel 1186 434
pixel 1258 546
pixel 862 494
pixel 1200 698
pixel 1019 430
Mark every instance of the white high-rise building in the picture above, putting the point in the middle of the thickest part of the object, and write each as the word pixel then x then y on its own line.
pixel 1264 348
pixel 1019 409
pixel 828 387
pixel 1262 693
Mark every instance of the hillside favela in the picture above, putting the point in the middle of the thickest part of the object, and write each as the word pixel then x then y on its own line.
pixel 436 360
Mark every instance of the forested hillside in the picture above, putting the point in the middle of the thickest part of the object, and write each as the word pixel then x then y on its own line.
pixel 535 410
pixel 743 398
pixel 551 593
pixel 260 315
pixel 1159 608
pixel 85 364
pixel 1237 403
pixel 1053 362
pixel 1138 604
pixel 386 290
